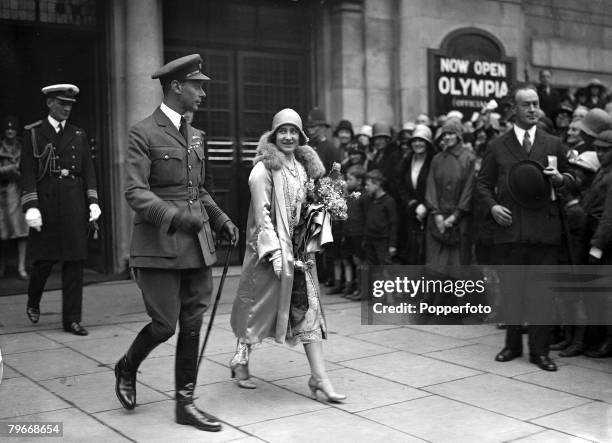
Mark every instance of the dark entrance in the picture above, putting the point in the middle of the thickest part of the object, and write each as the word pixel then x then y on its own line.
pixel 257 68
pixel 42 43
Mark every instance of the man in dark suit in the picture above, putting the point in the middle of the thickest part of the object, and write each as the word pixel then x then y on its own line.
pixel 172 243
pixel 58 182
pixel 549 97
pixel 523 235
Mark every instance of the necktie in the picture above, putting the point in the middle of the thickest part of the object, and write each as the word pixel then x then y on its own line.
pixel 527 143
pixel 183 129
pixel 60 130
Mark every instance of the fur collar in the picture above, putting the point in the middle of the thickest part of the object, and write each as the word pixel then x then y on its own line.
pixel 269 154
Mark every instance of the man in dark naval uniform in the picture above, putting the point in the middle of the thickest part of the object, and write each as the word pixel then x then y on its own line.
pixel 58 184
pixel 172 243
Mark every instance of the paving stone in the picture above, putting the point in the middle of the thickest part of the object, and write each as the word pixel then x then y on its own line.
pixel 76 424
pixel 155 423
pixel 438 419
pixel 481 357
pixel 411 340
pixel 507 396
pixel 574 380
pixel 322 425
pixel 274 363
pixel 21 396
pixel 96 392
pixel 110 349
pixel 347 323
pixel 409 369
pixel 95 332
pixel 246 406
pixel 364 391
pixel 53 363
pixel 8 372
pixel 25 342
pixel 464 332
pixel 597 364
pixel 591 421
pixel 549 436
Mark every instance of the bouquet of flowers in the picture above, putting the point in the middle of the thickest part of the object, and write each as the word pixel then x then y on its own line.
pixel 325 201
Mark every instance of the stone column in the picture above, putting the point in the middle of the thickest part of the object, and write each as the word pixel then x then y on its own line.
pixel 136 51
pixel 347 59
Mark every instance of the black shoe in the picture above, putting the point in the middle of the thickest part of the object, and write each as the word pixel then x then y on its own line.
pixel 508 354
pixel 188 414
pixel 75 328
pixel 543 362
pixel 602 351
pixel 33 314
pixel 559 346
pixel 125 384
pixel 336 289
pixel 572 350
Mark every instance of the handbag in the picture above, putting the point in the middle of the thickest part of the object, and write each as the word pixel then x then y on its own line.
pixel 299 297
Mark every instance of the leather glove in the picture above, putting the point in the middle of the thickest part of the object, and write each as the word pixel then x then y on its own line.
pixel 94 212
pixel 33 219
pixel 186 222
pixel 277 262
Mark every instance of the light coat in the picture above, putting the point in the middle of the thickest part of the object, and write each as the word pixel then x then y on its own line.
pixel 261 308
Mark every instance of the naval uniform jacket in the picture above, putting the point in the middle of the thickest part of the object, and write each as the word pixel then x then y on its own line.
pixel 530 226
pixel 62 193
pixel 164 176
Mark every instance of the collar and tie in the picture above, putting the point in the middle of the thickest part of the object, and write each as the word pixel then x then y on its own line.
pixel 527 142
pixel 183 129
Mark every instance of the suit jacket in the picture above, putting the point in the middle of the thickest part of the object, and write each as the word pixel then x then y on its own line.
pixel 166 175
pixel 62 199
pixel 542 225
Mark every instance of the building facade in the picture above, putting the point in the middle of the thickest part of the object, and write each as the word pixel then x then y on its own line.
pixel 362 60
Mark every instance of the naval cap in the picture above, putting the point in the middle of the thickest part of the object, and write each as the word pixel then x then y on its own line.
pixel 181 69
pixel 61 91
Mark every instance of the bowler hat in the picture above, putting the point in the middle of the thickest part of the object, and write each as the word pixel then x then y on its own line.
pixel 595 121
pixel 316 117
pixel 528 185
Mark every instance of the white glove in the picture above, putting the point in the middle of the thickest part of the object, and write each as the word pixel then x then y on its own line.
pixel 277 262
pixel 33 218
pixel 595 252
pixel 94 212
pixel 421 212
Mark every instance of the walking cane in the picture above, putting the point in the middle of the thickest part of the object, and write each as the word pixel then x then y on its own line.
pixel 217 298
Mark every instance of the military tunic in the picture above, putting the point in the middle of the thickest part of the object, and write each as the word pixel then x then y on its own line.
pixel 61 184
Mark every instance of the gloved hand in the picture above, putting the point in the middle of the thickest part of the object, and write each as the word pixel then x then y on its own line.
pixel 595 255
pixel 186 222
pixel 439 221
pixel 277 262
pixel 33 219
pixel 94 212
pixel 421 212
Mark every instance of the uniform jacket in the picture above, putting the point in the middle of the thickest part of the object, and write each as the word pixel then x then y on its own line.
pixel 63 199
pixel 542 225
pixel 261 307
pixel 164 176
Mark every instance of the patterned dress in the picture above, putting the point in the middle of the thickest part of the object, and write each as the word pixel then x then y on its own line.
pixel 12 220
pixel 309 327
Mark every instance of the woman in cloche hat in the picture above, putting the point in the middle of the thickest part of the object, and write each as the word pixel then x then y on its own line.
pixel 266 305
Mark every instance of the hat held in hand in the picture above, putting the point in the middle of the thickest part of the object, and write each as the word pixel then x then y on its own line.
pixel 528 185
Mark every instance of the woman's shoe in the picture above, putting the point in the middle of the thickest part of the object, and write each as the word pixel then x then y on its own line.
pixel 326 389
pixel 239 366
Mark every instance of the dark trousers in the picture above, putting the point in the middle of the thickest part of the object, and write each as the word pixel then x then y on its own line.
pixel 376 250
pixel 172 295
pixel 72 287
pixel 525 254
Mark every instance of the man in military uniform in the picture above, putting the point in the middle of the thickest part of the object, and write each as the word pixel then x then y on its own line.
pixel 58 184
pixel 172 243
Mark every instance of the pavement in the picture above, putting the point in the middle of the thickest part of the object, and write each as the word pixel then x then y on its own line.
pixel 404 383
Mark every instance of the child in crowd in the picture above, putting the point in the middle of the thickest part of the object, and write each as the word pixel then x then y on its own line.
pixel 380 230
pixel 351 250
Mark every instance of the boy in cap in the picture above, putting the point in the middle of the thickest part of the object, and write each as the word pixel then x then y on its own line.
pixel 172 244
pixel 59 197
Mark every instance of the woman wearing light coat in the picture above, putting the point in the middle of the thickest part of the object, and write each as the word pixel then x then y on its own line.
pixel 264 307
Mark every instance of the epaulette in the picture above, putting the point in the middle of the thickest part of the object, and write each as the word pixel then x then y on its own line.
pixel 33 125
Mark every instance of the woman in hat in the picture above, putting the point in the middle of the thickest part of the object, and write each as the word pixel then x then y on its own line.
pixel 596 95
pixel 448 196
pixel 266 305
pixel 12 221
pixel 413 171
